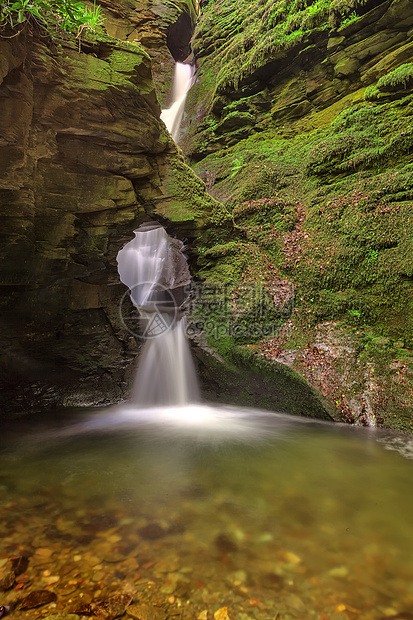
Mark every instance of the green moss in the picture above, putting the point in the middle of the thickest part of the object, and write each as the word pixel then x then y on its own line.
pixel 188 199
pixel 402 77
pixel 242 377
pixel 247 36
pixel 328 211
pixel 354 257
pixel 398 79
pixel 122 65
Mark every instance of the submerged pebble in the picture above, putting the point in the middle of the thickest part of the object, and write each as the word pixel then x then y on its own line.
pixel 62 617
pixel 7 578
pixel 145 612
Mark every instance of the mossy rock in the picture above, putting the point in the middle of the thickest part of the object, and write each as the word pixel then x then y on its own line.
pixel 251 381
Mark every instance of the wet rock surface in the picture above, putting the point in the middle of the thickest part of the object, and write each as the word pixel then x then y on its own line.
pixel 37 598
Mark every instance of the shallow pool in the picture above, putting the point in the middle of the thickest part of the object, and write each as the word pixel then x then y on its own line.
pixel 209 513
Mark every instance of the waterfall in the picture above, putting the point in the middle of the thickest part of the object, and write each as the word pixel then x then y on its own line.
pixel 166 374
pixel 182 83
pixel 156 272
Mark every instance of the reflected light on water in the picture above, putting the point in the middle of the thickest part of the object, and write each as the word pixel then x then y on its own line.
pixel 201 422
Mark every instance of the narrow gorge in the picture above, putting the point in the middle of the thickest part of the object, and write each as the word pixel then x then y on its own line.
pixel 206 318
pixel 291 189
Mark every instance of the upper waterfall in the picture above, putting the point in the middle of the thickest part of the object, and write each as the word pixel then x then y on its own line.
pixel 182 82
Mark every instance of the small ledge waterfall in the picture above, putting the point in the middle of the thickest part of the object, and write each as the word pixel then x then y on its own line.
pixel 182 82
pixel 156 272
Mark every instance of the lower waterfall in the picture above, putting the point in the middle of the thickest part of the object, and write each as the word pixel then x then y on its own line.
pixel 156 272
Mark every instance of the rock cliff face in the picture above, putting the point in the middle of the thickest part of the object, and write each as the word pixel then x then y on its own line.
pixel 163 28
pixel 84 160
pixel 63 116
pixel 302 126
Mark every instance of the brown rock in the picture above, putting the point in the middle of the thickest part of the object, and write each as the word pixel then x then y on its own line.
pixel 152 531
pixel 7 578
pixel 107 609
pixel 19 564
pixel 145 612
pixel 225 544
pixel 38 598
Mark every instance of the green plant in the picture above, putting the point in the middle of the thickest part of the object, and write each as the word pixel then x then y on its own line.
pixel 401 77
pixel 238 165
pixel 371 93
pixel 349 20
pixel 398 79
pixel 67 15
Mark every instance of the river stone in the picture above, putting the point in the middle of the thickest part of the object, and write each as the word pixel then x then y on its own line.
pixel 6 579
pixel 339 571
pixel 152 531
pixel 225 544
pixel 108 608
pixel 38 598
pixel 145 612
pixel 222 614
pixel 294 601
pixel 19 564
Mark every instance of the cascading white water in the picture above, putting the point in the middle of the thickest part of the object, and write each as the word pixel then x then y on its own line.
pixel 166 374
pixel 150 260
pixel 182 82
pixel 153 267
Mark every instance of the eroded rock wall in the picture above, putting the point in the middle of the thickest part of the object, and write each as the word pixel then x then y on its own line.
pixel 164 29
pixel 78 131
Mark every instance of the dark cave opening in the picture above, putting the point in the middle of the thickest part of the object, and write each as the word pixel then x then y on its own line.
pixel 179 37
